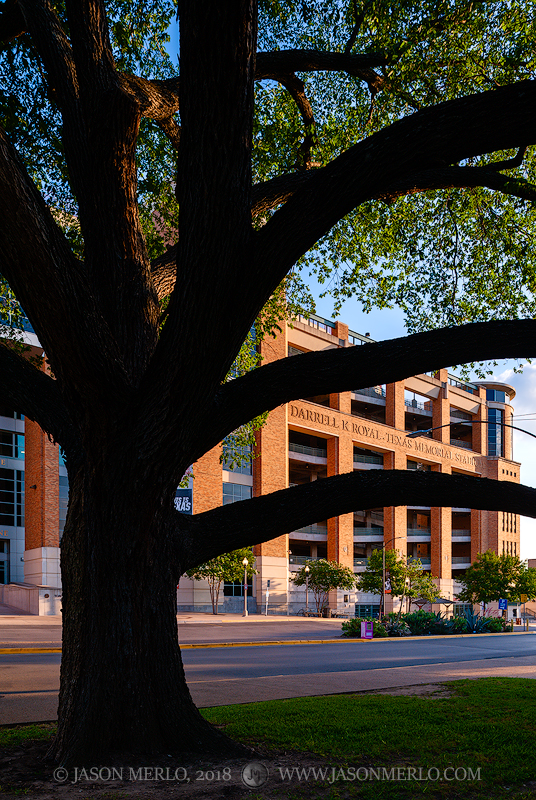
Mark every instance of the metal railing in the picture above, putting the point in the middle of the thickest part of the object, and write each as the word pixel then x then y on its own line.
pixel 466 387
pixel 315 528
pixel 460 532
pixel 418 531
pixel 319 323
pixel 423 559
pixel 358 338
pixel 360 562
pixel 318 452
pixel 359 459
pixel 426 407
pixel 371 391
pixel 461 443
pixel 373 531
pixel 461 559
pixel 455 412
pixel 302 560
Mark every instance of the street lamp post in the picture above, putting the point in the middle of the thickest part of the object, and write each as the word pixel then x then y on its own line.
pixel 245 562
pixel 288 582
pixel 306 588
pixel 383 576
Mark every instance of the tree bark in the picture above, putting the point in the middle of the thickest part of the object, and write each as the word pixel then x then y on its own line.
pixel 123 687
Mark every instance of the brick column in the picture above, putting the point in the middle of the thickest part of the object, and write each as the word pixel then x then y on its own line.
pixel 207 482
pixel 478 534
pixel 270 474
pixel 395 407
pixel 340 529
pixel 395 518
pixel 441 539
pixel 41 557
pixel 441 409
pixel 342 401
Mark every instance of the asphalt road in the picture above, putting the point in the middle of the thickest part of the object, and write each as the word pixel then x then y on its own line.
pixel 191 631
pixel 256 662
pixel 220 675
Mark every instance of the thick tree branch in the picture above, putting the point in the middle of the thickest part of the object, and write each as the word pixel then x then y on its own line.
pixel 265 197
pixel 164 272
pixel 158 100
pixel 50 41
pixel 172 131
pixel 494 120
pixel 295 87
pixel 285 62
pixel 214 194
pixel 51 286
pixel 463 178
pixel 102 169
pixel 268 195
pixel 90 40
pixel 36 395
pixel 356 367
pixel 359 18
pixel 12 22
pixel 254 521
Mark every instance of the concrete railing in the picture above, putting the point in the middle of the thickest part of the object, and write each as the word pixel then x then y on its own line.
pixel 41 601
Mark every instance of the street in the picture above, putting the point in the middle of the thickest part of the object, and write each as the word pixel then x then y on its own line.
pixel 221 675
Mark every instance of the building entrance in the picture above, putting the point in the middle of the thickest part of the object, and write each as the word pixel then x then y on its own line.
pixel 4 561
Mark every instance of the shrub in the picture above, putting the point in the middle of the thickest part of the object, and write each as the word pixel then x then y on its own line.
pixel 476 623
pixel 395 628
pixel 495 625
pixel 352 627
pixel 459 624
pixel 420 622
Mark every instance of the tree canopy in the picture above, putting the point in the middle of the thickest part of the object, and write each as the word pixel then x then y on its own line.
pixel 321 577
pixel 494 576
pixel 148 218
pixel 227 567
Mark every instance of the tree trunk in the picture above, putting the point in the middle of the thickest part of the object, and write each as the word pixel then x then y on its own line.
pixel 123 689
pixel 214 595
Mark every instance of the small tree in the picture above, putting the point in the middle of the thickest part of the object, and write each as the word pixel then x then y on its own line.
pixel 395 574
pixel 494 576
pixel 227 567
pixel 525 584
pixel 323 577
pixel 421 585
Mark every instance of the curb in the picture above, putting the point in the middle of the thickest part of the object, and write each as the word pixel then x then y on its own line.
pixel 16 650
pixel 281 642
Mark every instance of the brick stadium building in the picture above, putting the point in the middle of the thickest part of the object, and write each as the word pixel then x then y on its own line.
pixel 302 441
pixel 332 434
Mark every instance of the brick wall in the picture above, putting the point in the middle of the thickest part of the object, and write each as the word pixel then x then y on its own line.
pixel 41 502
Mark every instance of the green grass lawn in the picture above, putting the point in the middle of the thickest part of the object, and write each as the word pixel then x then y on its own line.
pixel 486 726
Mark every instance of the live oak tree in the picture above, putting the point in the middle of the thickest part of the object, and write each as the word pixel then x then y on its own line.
pixel 497 575
pixel 398 135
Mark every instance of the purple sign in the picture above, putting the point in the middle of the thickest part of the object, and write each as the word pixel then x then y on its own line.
pixel 367 629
